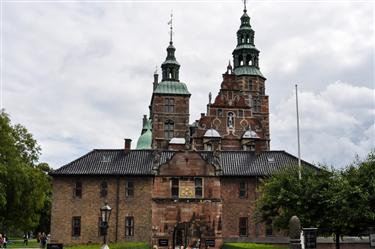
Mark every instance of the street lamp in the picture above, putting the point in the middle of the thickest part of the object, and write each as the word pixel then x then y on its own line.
pixel 105 212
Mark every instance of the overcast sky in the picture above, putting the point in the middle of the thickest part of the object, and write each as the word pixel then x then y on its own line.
pixel 79 75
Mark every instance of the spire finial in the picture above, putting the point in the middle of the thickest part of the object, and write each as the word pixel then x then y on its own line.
pixel 170 23
pixel 156 69
pixel 244 6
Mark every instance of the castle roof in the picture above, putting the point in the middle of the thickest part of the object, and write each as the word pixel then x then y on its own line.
pixel 142 162
pixel 172 87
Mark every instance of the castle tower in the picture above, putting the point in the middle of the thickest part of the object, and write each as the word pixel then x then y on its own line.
pixel 169 109
pixel 238 118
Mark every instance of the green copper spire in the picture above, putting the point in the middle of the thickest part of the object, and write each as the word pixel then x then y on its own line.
pixel 246 55
pixel 144 141
pixel 170 83
pixel 170 66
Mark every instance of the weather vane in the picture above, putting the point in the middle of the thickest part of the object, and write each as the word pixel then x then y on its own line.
pixel 171 26
pixel 244 5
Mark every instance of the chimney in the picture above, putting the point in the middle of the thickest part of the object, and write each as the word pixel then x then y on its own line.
pixel 202 115
pixel 156 79
pixel 128 143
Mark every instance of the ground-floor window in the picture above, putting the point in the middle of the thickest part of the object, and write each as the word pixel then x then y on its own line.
pixel 269 230
pixel 129 226
pixel 76 226
pixel 243 226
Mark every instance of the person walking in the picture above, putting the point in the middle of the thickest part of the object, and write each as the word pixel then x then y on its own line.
pixel 5 241
pixel 43 240
pixel 25 239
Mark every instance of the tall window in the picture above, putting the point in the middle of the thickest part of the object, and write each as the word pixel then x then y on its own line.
pixel 242 189
pixel 175 188
pixel 169 104
pixel 129 189
pixel 198 188
pixel 169 129
pixel 129 226
pixel 77 192
pixel 243 226
pixel 269 227
pixel 250 85
pixel 103 189
pixel 76 226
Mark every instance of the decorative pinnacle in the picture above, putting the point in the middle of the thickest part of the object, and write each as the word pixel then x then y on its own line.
pixel 244 6
pixel 170 23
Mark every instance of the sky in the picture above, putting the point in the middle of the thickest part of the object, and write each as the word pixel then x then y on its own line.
pixel 78 74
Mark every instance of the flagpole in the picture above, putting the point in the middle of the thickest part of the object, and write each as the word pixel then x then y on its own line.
pixel 298 139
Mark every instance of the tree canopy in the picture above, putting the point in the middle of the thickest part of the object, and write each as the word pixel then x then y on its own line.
pixel 340 202
pixel 24 183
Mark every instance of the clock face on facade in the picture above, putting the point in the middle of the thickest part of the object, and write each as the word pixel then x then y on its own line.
pixel 187 189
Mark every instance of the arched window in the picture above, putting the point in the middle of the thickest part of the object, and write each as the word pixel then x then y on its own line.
pixel 230 120
pixel 169 129
pixel 208 147
pixel 247 39
pixel 240 60
pixel 248 60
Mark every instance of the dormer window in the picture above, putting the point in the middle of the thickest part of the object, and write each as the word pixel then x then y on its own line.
pixel 248 147
pixel 208 147
pixel 106 159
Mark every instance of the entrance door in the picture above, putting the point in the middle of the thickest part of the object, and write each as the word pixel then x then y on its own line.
pixel 179 238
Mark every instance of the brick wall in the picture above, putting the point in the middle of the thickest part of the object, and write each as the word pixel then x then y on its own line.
pixel 235 207
pixel 65 206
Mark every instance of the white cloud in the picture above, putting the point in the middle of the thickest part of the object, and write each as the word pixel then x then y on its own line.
pixel 335 124
pixel 79 75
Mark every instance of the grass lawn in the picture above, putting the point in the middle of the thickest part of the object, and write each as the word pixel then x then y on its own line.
pixel 18 243
pixel 122 245
pixel 251 246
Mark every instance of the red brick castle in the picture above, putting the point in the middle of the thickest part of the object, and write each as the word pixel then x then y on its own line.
pixel 185 184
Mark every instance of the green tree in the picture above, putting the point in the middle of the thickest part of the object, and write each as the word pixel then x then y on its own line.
pixel 24 186
pixel 284 195
pixel 336 202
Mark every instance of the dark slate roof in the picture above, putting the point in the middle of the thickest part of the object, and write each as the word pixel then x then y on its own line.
pixel 245 163
pixel 114 162
pixel 141 162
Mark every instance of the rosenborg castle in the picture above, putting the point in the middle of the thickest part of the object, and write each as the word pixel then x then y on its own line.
pixel 185 182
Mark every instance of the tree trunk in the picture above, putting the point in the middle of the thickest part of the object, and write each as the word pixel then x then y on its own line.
pixel 337 240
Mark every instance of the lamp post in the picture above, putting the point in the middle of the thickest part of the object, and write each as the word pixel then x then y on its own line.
pixel 105 212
